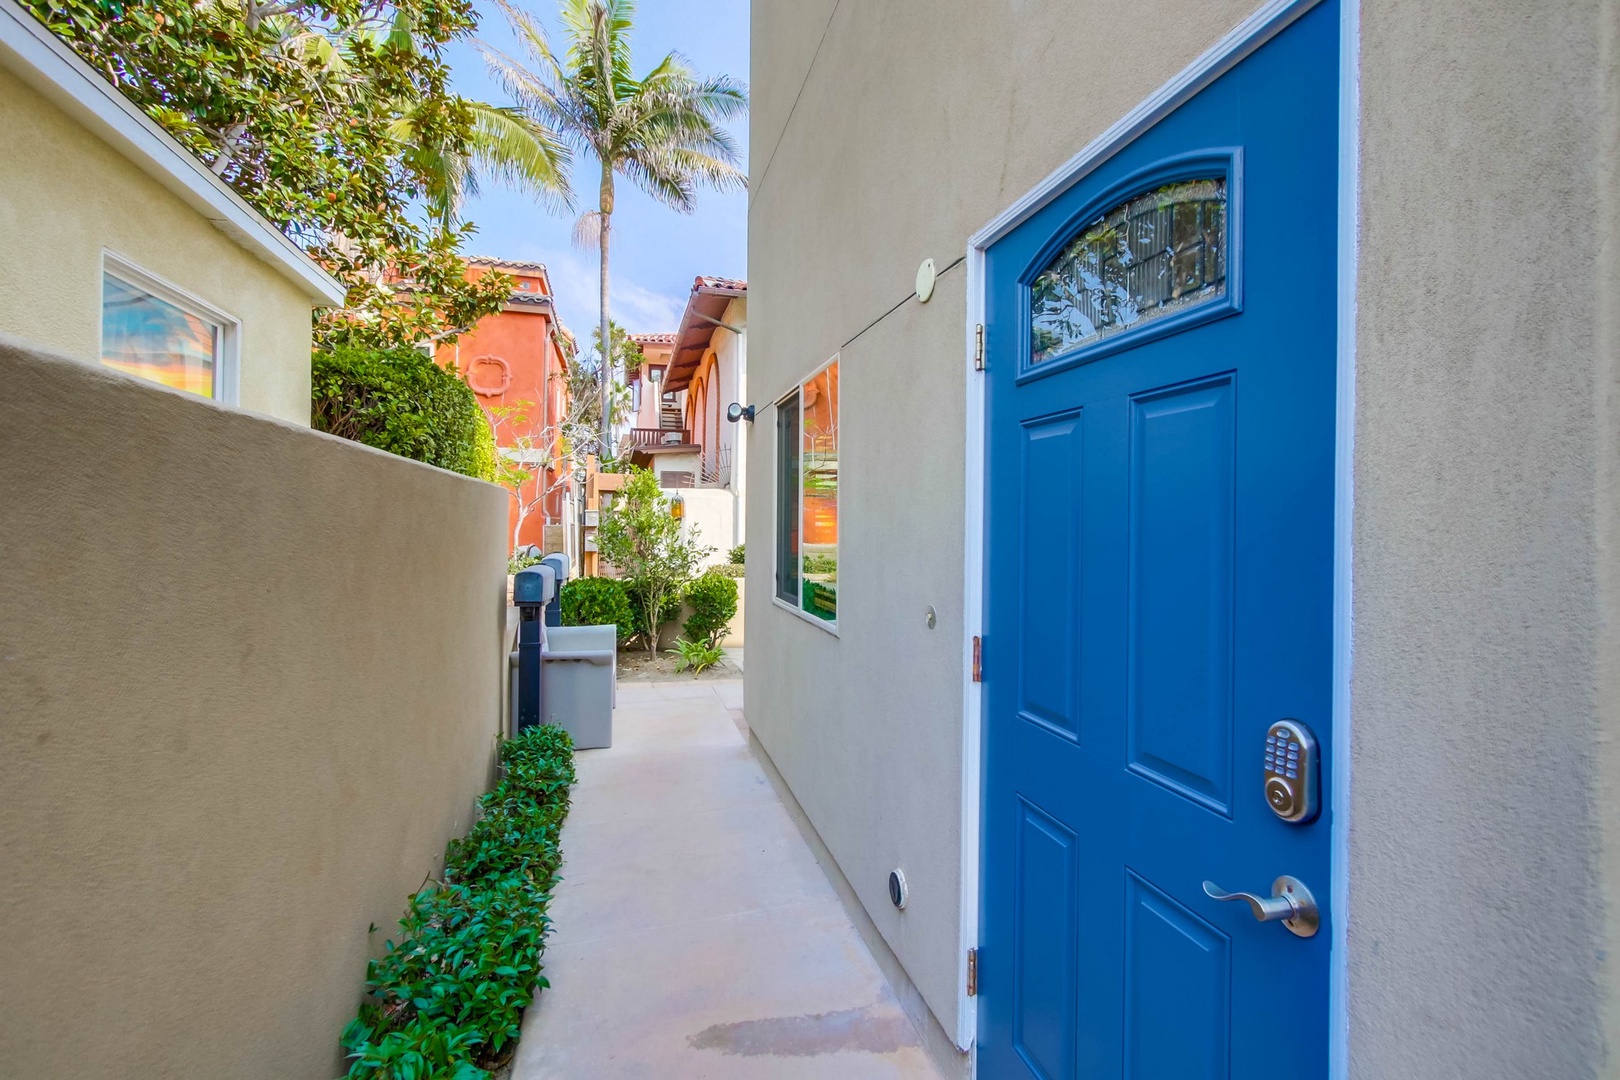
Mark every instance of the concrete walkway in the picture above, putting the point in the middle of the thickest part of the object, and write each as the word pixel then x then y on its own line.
pixel 694 935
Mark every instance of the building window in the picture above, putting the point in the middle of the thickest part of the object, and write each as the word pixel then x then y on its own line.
pixel 1149 257
pixel 152 330
pixel 807 496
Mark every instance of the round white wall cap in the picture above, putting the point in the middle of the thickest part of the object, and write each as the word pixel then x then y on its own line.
pixel 925 280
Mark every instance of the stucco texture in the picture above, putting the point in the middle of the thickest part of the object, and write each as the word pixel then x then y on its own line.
pixel 1484 724
pixel 252 680
pixel 66 197
pixel 918 122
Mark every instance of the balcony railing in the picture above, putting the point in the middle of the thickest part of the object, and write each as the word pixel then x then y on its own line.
pixel 647 436
pixel 719 473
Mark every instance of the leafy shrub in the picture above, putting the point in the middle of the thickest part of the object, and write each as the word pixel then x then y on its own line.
pixel 399 400
pixel 597 601
pixel 731 570
pixel 819 600
pixel 669 608
pixel 638 535
pixel 446 1002
pixel 714 604
pixel 821 564
pixel 735 555
pixel 486 459
pixel 697 655
pixel 522 562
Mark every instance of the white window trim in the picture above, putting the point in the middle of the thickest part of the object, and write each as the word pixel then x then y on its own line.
pixel 227 362
pixel 797 393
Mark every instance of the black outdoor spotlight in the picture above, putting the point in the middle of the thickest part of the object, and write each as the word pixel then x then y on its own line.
pixel 736 412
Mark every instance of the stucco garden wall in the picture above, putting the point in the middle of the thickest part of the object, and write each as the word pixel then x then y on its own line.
pixel 66 196
pixel 251 678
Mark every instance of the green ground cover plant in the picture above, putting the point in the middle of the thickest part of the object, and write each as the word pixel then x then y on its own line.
pixel 400 401
pixel 445 1003
pixel 697 655
pixel 597 601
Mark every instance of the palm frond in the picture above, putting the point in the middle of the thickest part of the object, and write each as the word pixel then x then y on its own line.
pixel 522 153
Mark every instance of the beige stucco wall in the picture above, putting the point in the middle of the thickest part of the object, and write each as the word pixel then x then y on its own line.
pixel 68 197
pixel 1485 843
pixel 1485 727
pixel 251 681
pixel 919 122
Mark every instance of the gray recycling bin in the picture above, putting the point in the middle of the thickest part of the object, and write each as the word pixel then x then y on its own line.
pixel 562 675
pixel 581 665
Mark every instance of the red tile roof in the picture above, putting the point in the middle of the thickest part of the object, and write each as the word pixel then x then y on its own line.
pixel 509 264
pixel 653 339
pixel 705 306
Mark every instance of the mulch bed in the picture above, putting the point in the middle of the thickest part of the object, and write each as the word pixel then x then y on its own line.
pixel 636 666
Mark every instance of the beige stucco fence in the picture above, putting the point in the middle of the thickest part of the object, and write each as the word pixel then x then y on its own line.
pixel 250 683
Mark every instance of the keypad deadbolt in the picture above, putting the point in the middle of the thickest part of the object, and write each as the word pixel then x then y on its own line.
pixel 1292 768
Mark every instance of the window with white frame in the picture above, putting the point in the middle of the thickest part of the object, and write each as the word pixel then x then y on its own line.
pixel 807 496
pixel 155 331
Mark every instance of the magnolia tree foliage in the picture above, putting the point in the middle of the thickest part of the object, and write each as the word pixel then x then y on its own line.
pixel 653 550
pixel 332 118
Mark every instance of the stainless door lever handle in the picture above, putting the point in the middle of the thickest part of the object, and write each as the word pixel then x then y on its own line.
pixel 1290 902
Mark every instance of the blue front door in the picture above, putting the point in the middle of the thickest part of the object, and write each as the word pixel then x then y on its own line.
pixel 1160 345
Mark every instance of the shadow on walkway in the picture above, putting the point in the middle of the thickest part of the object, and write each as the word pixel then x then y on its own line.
pixel 694 934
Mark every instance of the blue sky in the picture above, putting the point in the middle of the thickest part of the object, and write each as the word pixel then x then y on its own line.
pixel 656 252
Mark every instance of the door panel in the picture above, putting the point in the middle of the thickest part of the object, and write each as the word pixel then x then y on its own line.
pixel 1180 613
pixel 1050 557
pixel 1178 982
pixel 1159 549
pixel 1044 1005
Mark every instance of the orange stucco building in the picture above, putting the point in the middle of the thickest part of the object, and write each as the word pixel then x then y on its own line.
pixel 514 362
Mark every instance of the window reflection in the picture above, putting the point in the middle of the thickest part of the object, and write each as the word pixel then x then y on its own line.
pixel 147 336
pixel 1146 258
pixel 819 482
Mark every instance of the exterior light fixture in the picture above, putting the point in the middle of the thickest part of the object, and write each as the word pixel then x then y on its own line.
pixel 677 507
pixel 736 412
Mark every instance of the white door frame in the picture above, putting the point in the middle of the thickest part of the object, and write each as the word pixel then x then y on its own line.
pixel 1221 57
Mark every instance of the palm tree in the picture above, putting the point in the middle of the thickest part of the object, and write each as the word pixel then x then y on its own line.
pixel 662 131
pixel 504 143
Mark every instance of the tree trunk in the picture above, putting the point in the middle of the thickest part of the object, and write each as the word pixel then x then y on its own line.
pixel 606 372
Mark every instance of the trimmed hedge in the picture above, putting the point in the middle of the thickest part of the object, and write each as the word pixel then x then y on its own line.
pixel 400 401
pixel 446 1002
pixel 713 597
pixel 597 601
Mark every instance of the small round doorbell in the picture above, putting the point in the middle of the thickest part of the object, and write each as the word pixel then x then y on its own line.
pixel 1291 768
pixel 897 888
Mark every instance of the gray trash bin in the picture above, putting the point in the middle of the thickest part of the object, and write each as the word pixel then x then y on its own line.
pixel 577 691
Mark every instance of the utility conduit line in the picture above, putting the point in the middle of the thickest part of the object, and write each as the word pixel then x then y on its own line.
pixel 753 189
pixel 960 259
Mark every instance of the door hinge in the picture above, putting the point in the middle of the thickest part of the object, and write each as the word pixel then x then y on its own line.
pixel 973 973
pixel 978 658
pixel 978 347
